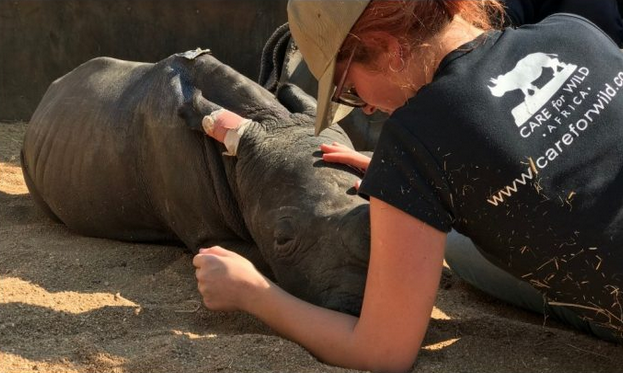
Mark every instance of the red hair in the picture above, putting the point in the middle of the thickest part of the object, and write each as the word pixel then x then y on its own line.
pixel 414 22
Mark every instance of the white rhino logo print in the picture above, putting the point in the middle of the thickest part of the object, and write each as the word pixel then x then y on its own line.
pixel 527 71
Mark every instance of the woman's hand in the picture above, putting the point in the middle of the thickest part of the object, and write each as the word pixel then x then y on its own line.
pixel 338 153
pixel 226 280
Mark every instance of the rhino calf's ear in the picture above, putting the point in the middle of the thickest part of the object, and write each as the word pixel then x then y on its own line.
pixel 296 100
pixel 194 109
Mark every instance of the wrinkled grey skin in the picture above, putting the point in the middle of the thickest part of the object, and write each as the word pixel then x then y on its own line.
pixel 282 65
pixel 111 152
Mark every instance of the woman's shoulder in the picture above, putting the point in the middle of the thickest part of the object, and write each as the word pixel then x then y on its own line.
pixel 481 82
pixel 563 34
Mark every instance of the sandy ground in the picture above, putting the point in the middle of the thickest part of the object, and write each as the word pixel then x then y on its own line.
pixel 70 303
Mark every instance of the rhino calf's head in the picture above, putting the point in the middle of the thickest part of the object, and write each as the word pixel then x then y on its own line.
pixel 304 214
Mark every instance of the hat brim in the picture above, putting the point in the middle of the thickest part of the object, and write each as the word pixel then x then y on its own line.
pixel 328 112
pixel 324 112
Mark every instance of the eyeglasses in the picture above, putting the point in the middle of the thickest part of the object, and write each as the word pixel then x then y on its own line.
pixel 348 97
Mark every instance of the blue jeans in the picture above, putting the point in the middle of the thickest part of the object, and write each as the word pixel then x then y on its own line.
pixel 468 263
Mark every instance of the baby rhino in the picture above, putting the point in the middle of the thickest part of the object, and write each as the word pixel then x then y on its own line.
pixel 113 150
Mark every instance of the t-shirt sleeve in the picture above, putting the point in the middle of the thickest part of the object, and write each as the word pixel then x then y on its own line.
pixel 404 174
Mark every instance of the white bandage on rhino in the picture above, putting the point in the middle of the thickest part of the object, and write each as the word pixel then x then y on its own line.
pixel 234 125
pixel 232 138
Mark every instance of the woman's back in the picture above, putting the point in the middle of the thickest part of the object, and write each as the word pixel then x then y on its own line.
pixel 526 158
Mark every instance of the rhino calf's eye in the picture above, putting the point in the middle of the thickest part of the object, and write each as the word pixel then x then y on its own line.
pixel 282 240
pixel 285 233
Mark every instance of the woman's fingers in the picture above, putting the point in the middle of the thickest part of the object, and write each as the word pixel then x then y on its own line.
pixel 349 159
pixel 227 281
pixel 334 147
pixel 338 153
pixel 216 250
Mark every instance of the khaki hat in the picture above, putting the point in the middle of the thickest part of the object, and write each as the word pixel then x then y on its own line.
pixel 319 28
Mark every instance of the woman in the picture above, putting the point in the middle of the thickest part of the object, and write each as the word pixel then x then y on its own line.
pixel 510 137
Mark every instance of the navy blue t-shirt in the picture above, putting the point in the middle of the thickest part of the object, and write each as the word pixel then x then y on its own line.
pixel 518 144
pixel 603 13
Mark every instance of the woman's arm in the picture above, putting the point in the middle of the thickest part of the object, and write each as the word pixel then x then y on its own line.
pixel 403 276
